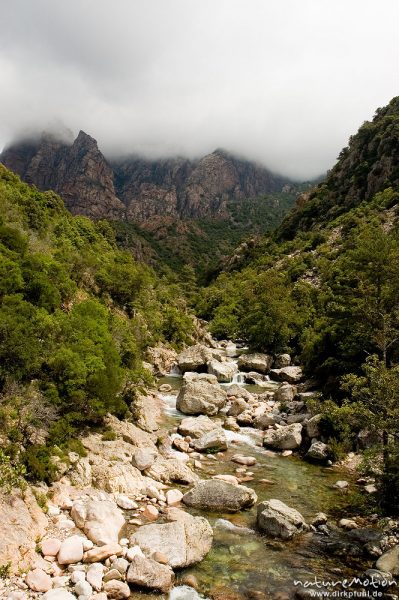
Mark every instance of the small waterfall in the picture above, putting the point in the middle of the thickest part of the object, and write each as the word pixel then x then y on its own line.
pixel 238 378
pixel 175 371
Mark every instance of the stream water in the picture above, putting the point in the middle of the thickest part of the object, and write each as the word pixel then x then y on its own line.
pixel 244 561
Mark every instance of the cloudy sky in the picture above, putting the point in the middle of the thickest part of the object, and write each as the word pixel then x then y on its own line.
pixel 284 82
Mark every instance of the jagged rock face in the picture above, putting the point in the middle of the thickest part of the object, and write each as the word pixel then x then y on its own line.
pixel 78 172
pixel 189 189
pixel 136 189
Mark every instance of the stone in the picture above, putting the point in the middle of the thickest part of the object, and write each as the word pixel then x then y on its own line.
pixel 284 438
pixel 318 451
pixel 224 371
pixel 285 393
pixel 83 588
pixel 196 427
pixel 278 520
pixel 215 495
pixel 214 441
pixel 38 581
pixel 239 392
pixel 101 520
pixel 58 594
pixel 180 444
pixel 50 547
pixel 149 574
pixel 312 427
pixel 320 519
pixel 173 497
pixel 94 576
pixel 248 461
pixel 227 478
pixel 171 470
pixel 184 541
pixel 266 420
pixel 194 358
pixel 258 362
pixel 132 552
pixel 113 574
pixel 165 388
pixel 71 551
pixel 60 582
pixel 126 503
pixel 389 561
pixel 238 406
pixel 143 458
pixel 101 553
pixel 198 396
pixel 118 590
pixel 151 512
pixel 341 485
pixel 281 361
pixel 78 576
pixel 289 374
pixel 348 524
pixel 231 424
pixel 121 565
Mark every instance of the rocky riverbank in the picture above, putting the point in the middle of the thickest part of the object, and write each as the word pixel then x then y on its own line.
pixel 208 463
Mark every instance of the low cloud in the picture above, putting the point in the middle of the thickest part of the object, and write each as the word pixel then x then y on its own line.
pixel 279 81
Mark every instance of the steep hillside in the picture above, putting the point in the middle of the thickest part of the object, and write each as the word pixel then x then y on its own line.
pixel 369 164
pixel 325 286
pixel 76 318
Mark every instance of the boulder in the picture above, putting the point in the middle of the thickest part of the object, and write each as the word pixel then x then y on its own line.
pixel 258 362
pixel 281 361
pixel 194 358
pixel 213 441
pixel 312 427
pixel 143 458
pixel 198 396
pixel 171 470
pixel 237 407
pixel 149 574
pixel 285 393
pixel 266 420
pixel 196 427
pixel 276 519
pixel 101 520
pixel 219 496
pixel 289 374
pixel 183 542
pixel 318 451
pixel 284 438
pixel 38 581
pixel 71 551
pixel 117 590
pixel 239 392
pixel 224 371
pixel 389 561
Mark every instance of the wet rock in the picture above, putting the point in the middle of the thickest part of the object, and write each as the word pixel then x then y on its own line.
pixel 389 561
pixel 118 590
pixel 149 574
pixel 258 362
pixel 196 427
pixel 318 451
pixel 143 458
pixel 173 497
pixel 248 461
pixel 284 438
pixel 320 519
pixel 198 396
pixel 101 520
pixel 71 551
pixel 231 424
pixel 38 581
pixel 276 519
pixel 151 512
pixel 184 542
pixel 215 495
pixel 224 371
pixel 214 441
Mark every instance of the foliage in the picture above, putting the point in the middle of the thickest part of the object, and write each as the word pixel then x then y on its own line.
pixel 11 475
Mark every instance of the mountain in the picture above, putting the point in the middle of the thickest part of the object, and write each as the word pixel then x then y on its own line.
pixel 136 189
pixel 172 211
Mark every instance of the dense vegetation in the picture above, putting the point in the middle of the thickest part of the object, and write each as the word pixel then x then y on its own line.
pixel 76 316
pixel 203 243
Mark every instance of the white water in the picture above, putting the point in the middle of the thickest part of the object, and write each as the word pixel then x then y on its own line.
pixel 249 438
pixel 184 592
pixel 169 401
pixel 238 378
pixel 175 372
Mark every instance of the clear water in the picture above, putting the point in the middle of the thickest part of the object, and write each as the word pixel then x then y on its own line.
pixel 242 561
